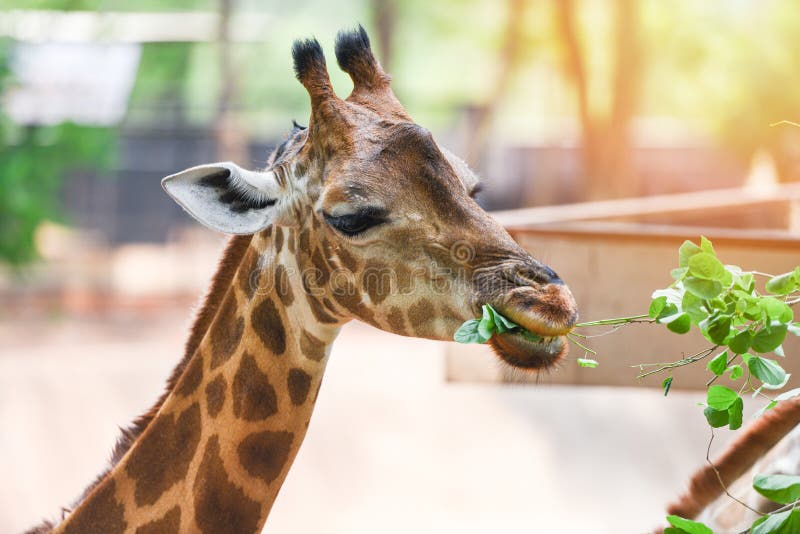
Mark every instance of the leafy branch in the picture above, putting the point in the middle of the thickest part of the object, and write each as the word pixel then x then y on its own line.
pixel 745 325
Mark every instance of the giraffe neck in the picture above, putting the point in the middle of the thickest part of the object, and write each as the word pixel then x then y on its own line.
pixel 218 449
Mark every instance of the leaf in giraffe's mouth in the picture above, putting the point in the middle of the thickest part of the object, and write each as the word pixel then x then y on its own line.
pixel 493 322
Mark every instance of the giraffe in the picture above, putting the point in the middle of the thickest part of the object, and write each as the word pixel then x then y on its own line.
pixel 359 215
pixel 769 445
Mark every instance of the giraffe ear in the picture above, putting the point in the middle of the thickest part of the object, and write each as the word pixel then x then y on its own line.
pixel 227 198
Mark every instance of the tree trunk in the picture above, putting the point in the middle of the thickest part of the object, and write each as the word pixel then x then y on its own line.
pixel 575 69
pixel 229 137
pixel 508 59
pixel 384 16
pixel 622 180
pixel 605 141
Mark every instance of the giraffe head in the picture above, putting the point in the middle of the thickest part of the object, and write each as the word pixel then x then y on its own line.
pixel 378 219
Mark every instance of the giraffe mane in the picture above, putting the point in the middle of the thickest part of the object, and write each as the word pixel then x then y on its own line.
pixel 759 437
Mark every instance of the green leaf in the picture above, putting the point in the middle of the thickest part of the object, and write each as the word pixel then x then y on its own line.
pixel 786 395
pixel 716 418
pixel 768 339
pixel 586 362
pixel 783 284
pixel 748 307
pixel 793 329
pixel 718 304
pixel 782 489
pixel 735 414
pixel 656 306
pixel 705 289
pixel 687 525
pixel 666 384
pixel 719 363
pixel 687 250
pixel 501 323
pixel 694 306
pixel 716 328
pixel 531 336
pixel 678 273
pixel 787 522
pixel 736 372
pixel 679 323
pixel 706 246
pixel 746 281
pixel 673 294
pixel 486 325
pixel 707 267
pixel 740 343
pixel 720 397
pixel 669 310
pixel 727 278
pixel 764 385
pixel 468 333
pixel 776 310
pixel 766 370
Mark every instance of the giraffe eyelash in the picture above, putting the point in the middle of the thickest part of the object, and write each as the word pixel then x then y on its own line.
pixel 355 224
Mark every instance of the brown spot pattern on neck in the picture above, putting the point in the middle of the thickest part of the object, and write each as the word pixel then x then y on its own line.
pixel 311 347
pixel 215 395
pixel 161 457
pixel 283 287
pixel 264 454
pixel 254 398
pixel 192 376
pixel 298 382
pixel 266 321
pixel 227 331
pixel 220 506
pixel 168 524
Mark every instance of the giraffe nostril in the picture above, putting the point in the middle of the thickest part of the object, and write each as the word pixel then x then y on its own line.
pixel 552 276
pixel 540 275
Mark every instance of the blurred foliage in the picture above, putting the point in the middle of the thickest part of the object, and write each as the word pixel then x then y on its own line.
pixel 109 5
pixel 729 67
pixel 159 93
pixel 715 73
pixel 35 161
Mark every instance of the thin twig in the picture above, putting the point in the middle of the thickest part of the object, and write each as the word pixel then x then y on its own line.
pixel 618 320
pixel 601 334
pixel 727 364
pixel 584 347
pixel 781 123
pixel 680 363
pixel 719 477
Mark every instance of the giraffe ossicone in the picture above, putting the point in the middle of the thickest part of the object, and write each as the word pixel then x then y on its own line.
pixel 359 215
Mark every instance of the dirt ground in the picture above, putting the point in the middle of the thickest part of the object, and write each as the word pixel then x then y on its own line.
pixel 392 446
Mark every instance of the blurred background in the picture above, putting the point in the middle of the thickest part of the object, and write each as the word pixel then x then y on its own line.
pixel 606 131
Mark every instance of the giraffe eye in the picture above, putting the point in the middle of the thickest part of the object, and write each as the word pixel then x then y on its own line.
pixel 353 224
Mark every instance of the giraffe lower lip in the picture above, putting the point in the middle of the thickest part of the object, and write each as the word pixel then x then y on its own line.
pixel 520 351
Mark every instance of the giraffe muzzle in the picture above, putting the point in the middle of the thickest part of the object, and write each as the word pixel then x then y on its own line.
pixel 549 311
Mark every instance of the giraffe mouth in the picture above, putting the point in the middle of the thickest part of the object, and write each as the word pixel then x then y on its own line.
pixel 538 343
pixel 523 351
